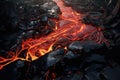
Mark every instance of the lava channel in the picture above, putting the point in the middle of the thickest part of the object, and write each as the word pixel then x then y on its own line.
pixel 69 28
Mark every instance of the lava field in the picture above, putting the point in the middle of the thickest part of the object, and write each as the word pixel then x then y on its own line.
pixel 59 40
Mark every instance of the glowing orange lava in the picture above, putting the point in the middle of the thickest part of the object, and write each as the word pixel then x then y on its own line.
pixel 68 29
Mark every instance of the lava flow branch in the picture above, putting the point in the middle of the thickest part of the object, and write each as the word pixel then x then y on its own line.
pixel 69 28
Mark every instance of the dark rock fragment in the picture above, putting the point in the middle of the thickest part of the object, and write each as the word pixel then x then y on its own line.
pixel 54 57
pixel 71 55
pixel 111 73
pixel 96 58
pixel 87 46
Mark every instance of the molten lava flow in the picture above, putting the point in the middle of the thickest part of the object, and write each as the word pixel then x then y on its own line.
pixel 68 29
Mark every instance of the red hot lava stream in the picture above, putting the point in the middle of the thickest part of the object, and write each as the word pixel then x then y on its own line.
pixel 68 29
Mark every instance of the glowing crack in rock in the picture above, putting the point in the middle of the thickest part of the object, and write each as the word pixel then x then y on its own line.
pixel 69 28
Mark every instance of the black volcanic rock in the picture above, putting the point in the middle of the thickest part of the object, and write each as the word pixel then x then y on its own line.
pixel 14 71
pixel 86 46
pixel 71 55
pixel 82 60
pixel 54 57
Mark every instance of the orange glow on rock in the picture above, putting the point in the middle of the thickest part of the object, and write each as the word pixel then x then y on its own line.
pixel 68 29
